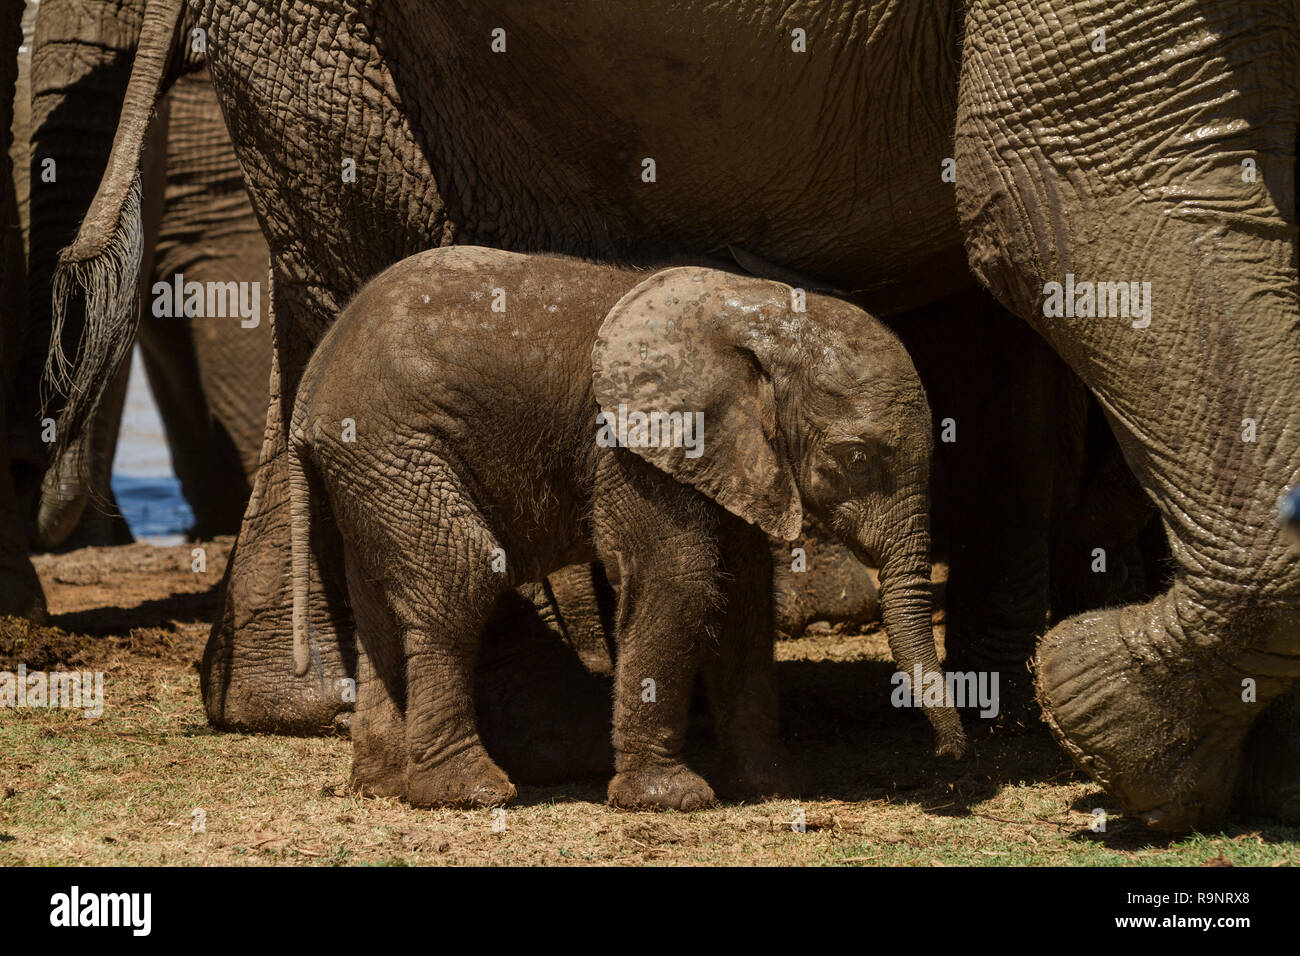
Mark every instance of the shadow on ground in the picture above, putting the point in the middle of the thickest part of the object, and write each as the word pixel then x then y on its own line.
pixel 137 608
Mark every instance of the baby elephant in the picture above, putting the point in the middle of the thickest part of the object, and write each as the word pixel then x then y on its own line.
pixel 477 419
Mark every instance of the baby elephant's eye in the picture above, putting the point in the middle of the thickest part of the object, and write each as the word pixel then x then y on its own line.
pixel 857 458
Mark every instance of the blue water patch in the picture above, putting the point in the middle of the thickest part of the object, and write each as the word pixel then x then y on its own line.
pixel 153 506
pixel 146 487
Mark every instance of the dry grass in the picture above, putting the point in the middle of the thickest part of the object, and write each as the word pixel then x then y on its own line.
pixel 123 789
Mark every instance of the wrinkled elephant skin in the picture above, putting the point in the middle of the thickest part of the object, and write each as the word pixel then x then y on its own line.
pixel 1116 161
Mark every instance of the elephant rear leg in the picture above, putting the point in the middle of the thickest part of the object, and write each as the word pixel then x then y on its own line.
pixel 378 725
pixel 435 583
pixel 20 589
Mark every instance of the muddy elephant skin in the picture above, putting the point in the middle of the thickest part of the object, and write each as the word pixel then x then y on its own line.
pixel 473 449
pixel 1083 152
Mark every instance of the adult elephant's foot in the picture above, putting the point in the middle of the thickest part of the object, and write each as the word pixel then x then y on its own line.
pixel 1166 278
pixel 468 779
pixel 20 589
pixel 658 783
pixel 1269 784
pixel 378 780
pixel 1155 708
pixel 246 675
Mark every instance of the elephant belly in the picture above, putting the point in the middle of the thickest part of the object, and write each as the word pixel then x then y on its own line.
pixel 606 130
pixel 813 137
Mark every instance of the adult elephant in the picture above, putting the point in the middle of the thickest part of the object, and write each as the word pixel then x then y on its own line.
pixel 208 374
pixel 1092 143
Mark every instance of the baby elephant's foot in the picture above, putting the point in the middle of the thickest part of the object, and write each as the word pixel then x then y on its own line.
pixel 660 785
pixel 469 781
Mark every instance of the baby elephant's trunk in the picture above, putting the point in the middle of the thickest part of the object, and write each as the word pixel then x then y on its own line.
pixel 300 545
pixel 906 608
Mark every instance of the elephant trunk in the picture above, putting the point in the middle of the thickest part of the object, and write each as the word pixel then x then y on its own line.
pixel 906 611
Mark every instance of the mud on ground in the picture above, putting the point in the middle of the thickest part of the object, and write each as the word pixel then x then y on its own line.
pixel 149 782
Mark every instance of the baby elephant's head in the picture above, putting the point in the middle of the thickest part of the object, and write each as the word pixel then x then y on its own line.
pixel 770 400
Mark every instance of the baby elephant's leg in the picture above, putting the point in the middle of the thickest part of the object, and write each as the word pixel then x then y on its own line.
pixel 378 727
pixel 431 556
pixel 740 673
pixel 450 602
pixel 662 537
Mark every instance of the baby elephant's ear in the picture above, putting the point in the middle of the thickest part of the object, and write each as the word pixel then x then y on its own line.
pixel 674 346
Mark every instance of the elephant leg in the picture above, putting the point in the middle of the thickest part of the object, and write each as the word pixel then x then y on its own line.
pixel 740 673
pixel 421 580
pixel 20 589
pixel 659 535
pixel 378 725
pixel 441 597
pixel 999 398
pixel 1120 164
pixel 579 602
pixel 78 64
pixel 78 508
pixel 206 463
pixel 209 373
pixel 246 674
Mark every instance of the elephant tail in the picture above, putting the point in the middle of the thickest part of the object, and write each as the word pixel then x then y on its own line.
pixel 300 546
pixel 101 268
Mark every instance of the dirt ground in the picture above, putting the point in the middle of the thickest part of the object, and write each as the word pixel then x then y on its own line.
pixel 149 782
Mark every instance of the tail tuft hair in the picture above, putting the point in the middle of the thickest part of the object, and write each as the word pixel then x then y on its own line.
pixel 106 283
